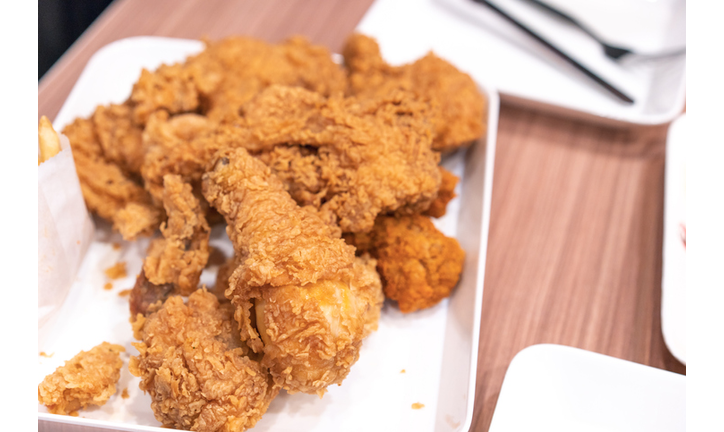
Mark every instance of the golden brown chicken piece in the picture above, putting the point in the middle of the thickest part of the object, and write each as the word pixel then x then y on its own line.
pixel 196 369
pixel 228 73
pixel 371 156
pixel 459 107
pixel 179 256
pixel 107 189
pixel 444 195
pixel 119 137
pixel 311 301
pixel 89 378
pixel 419 265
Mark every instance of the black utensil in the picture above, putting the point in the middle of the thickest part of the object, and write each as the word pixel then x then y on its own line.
pixel 618 93
pixel 612 51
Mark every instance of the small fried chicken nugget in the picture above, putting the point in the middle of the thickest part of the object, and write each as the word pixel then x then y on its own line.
pixel 89 378
pixel 193 364
pixel 419 265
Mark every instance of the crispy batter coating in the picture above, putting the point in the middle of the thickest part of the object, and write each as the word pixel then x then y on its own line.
pixel 278 242
pixel 107 189
pixel 171 88
pixel 228 73
pixel 419 265
pixel 164 137
pixel 371 156
pixel 89 378
pixel 181 254
pixel 459 107
pixel 312 333
pixel 119 137
pixel 195 368
pixel 296 283
pixel 444 195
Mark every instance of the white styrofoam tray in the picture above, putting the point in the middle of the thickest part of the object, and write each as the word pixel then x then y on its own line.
pixel 437 348
pixel 673 277
pixel 486 46
pixel 562 389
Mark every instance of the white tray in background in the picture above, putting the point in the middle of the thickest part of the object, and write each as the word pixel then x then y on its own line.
pixel 562 389
pixel 487 47
pixel 438 347
pixel 673 278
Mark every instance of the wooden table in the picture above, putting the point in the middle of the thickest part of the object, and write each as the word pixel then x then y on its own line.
pixel 574 256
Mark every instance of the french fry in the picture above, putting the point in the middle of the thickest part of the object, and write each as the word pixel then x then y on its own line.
pixel 47 139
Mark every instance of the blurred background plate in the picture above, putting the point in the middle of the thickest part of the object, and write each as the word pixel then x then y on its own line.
pixel 673 278
pixel 564 389
pixel 481 43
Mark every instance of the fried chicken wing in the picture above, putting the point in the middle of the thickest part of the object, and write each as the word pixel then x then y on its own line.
pixel 89 378
pixel 196 369
pixel 311 301
pixel 419 265
pixel 179 256
pixel 107 189
pixel 459 107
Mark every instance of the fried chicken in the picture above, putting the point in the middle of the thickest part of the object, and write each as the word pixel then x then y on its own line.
pixel 312 302
pixel 196 369
pixel 119 137
pixel 179 256
pixel 146 297
pixel 419 265
pixel 370 157
pixel 107 189
pixel 458 106
pixel 444 195
pixel 89 378
pixel 228 73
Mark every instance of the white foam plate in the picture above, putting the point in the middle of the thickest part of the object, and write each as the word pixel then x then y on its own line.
pixel 437 347
pixel 562 389
pixel 673 278
pixel 486 46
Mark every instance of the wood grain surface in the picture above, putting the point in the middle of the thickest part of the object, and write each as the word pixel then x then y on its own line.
pixel 574 255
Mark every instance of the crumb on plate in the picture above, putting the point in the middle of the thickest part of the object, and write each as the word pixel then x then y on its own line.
pixel 124 293
pixel 116 246
pixel 417 405
pixel 108 286
pixel 44 354
pixel 124 393
pixel 402 371
pixel 116 271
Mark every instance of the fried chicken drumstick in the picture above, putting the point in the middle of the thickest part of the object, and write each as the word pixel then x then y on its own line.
pixel 311 300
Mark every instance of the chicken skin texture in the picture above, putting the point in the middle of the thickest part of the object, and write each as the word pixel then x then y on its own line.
pixel 108 190
pixel 419 265
pixel 458 106
pixel 196 369
pixel 89 378
pixel 301 297
pixel 181 254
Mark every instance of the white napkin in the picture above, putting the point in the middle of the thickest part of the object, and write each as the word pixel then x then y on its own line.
pixel 65 230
